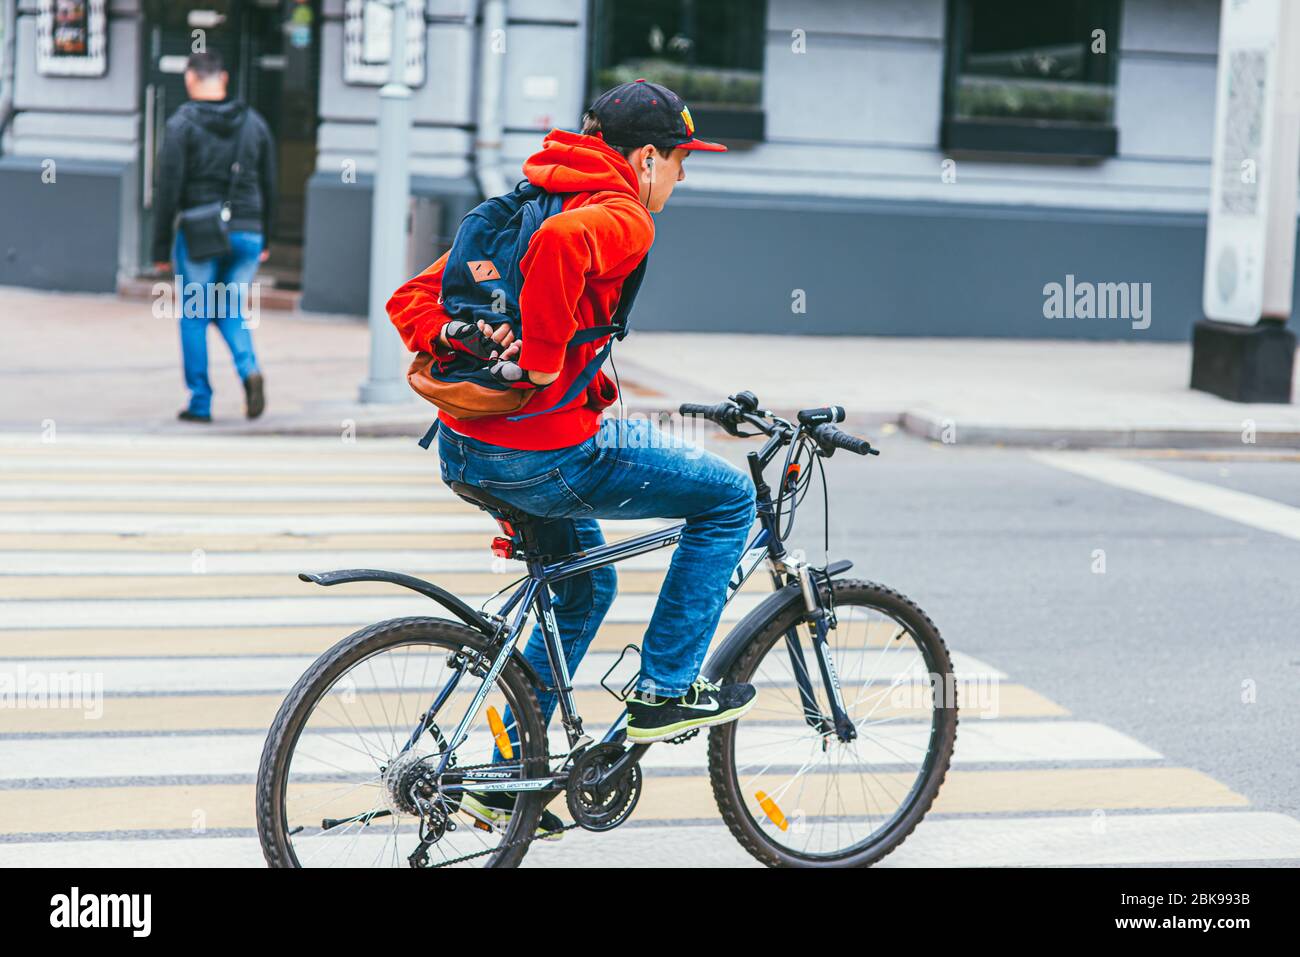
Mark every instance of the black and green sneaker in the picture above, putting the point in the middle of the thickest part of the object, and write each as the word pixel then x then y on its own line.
pixel 493 810
pixel 651 718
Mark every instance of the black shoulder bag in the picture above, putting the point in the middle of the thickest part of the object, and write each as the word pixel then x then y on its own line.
pixel 206 227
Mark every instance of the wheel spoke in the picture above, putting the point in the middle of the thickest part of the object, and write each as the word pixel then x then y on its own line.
pixel 810 775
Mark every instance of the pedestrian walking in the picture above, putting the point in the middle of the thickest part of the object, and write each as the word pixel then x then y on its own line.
pixel 213 220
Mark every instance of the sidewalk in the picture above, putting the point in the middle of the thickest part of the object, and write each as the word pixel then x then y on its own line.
pixel 99 363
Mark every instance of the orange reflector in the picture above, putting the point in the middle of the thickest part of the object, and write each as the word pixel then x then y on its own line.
pixel 772 811
pixel 481 826
pixel 499 732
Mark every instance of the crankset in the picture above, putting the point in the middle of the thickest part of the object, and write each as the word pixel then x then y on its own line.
pixel 597 801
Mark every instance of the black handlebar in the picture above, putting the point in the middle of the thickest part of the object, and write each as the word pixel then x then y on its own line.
pixel 828 435
pixel 743 408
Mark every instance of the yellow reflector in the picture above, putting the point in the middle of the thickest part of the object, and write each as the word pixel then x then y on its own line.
pixel 499 732
pixel 771 810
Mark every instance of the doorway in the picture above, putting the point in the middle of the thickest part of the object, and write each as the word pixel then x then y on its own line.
pixel 271 49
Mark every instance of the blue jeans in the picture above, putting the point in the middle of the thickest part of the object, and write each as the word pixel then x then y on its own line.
pixel 628 470
pixel 201 302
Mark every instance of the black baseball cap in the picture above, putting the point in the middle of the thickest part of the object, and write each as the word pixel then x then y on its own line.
pixel 641 112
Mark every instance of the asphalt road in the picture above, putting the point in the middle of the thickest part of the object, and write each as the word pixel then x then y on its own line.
pixel 1140 611
pixel 1192 614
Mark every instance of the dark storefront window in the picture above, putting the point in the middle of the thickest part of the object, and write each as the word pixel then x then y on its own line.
pixel 708 51
pixel 1029 76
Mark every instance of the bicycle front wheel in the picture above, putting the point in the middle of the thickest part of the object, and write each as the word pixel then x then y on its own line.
pixel 790 788
pixel 339 781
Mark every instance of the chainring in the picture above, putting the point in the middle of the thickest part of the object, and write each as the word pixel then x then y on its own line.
pixel 605 806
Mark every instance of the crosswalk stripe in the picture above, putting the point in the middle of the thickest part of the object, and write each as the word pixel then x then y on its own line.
pixel 198 642
pixel 109 445
pixel 28 587
pixel 296 540
pixel 359 507
pixel 665 798
pixel 1002 742
pixel 324 606
pixel 196 674
pixel 1066 840
pixel 125 643
pixel 214 475
pixel 239 523
pixel 241 491
pixel 255 712
pixel 75 564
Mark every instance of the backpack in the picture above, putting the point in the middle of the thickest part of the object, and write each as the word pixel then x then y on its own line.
pixel 482 280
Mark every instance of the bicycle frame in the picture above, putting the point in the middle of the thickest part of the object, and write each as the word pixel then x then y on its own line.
pixel 533 596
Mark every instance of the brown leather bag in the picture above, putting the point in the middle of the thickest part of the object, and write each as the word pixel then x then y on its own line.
pixel 464 399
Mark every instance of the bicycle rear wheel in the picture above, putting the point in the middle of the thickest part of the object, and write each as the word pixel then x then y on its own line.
pixel 797 796
pixel 335 780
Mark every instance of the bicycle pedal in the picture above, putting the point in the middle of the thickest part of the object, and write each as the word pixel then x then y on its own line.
pixel 682 738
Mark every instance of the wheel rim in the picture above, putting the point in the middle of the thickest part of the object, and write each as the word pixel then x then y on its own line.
pixel 810 795
pixel 347 763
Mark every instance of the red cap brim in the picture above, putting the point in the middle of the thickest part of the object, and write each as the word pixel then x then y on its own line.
pixel 702 145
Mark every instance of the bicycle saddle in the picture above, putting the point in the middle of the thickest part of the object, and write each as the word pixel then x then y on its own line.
pixel 489 502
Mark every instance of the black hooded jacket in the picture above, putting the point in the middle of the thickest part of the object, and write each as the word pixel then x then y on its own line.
pixel 197 152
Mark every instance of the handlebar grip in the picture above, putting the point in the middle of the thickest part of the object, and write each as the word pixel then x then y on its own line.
pixel 826 414
pixel 725 414
pixel 829 435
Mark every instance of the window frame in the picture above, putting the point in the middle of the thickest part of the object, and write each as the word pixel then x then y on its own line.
pixel 741 127
pixel 1066 139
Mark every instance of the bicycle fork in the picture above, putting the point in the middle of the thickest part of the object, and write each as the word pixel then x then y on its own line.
pixel 820 619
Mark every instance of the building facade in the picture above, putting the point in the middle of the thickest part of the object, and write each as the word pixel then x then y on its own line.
pixel 899 167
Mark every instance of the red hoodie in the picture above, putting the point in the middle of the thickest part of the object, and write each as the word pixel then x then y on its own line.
pixel 573 275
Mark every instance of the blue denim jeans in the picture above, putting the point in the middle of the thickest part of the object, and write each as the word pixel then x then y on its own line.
pixel 200 305
pixel 628 470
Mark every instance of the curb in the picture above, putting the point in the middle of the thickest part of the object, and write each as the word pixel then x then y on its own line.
pixel 927 425
pixel 412 421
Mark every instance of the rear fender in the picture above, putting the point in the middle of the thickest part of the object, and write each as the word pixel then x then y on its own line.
pixel 470 616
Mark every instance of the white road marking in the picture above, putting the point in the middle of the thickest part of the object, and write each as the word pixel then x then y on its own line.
pixel 73 523
pixel 1240 507
pixel 277 674
pixel 162 756
pixel 236 492
pixel 1070 841
pixel 318 606
pixel 279 562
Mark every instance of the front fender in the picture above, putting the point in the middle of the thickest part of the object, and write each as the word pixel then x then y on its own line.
pixel 725 655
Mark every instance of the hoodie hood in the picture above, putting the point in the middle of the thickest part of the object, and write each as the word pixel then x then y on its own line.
pixel 219 117
pixel 579 163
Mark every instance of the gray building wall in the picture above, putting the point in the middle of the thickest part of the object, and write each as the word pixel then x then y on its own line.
pixel 69 173
pixel 844 200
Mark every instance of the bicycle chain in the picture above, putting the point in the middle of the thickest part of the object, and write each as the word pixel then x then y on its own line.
pixel 508 844
pixel 680 739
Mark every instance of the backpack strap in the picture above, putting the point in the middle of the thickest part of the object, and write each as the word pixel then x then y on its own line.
pixel 429 436
pixel 617 329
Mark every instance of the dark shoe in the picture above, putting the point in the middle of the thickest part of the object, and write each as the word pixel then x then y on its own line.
pixel 651 718
pixel 185 415
pixel 493 810
pixel 254 395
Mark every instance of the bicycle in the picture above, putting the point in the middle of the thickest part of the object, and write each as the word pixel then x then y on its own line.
pixel 392 795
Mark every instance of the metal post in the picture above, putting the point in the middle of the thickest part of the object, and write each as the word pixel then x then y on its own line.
pixel 387 382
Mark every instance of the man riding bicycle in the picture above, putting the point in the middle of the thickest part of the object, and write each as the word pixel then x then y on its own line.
pixel 572 467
